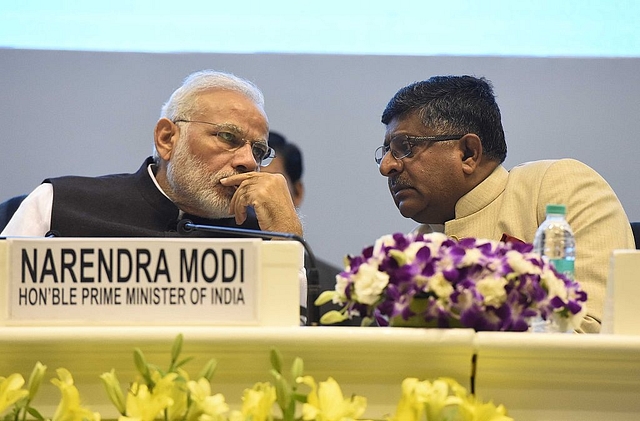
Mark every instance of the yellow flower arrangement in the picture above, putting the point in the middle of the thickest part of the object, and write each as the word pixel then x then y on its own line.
pixel 171 395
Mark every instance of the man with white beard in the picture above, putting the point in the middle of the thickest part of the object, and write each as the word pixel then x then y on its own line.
pixel 210 143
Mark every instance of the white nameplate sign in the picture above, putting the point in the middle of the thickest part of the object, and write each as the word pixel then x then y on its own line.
pixel 135 281
pixel 621 311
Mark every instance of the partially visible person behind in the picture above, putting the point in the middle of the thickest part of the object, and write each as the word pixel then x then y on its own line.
pixel 443 152
pixel 209 145
pixel 289 162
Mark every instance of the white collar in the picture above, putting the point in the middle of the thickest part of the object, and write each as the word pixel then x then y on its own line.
pixel 153 178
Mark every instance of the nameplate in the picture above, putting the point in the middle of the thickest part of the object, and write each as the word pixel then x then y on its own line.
pixel 621 311
pixel 134 281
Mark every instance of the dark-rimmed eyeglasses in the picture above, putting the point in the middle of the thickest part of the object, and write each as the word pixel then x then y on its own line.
pixel 401 146
pixel 262 153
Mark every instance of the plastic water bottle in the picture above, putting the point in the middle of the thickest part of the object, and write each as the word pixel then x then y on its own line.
pixel 554 239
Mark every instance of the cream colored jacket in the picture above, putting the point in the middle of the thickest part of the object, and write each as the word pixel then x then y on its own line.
pixel 513 202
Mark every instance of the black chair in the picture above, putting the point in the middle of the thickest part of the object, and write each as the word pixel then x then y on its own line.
pixel 8 208
pixel 635 227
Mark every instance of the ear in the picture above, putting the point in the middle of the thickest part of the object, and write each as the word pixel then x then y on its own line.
pixel 471 152
pixel 165 136
pixel 297 193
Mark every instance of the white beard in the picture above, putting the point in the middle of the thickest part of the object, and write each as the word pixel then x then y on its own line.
pixel 193 187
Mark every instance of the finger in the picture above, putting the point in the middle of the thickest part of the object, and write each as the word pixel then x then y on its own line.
pixel 236 179
pixel 237 208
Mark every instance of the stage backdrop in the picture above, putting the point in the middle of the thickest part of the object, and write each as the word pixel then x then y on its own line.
pixel 93 113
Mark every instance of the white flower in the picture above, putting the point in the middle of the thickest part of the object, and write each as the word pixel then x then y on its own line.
pixel 437 238
pixel 369 283
pixel 555 286
pixel 519 264
pixel 472 256
pixel 435 241
pixel 440 286
pixel 413 248
pixel 492 289
pixel 575 320
pixel 341 285
pixel 384 241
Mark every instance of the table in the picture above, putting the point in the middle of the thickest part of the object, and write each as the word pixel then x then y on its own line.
pixel 536 376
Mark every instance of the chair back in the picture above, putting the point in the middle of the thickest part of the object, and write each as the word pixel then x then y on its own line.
pixel 8 208
pixel 635 227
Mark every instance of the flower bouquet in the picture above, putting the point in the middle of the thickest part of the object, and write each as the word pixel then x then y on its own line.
pixel 435 281
pixel 172 395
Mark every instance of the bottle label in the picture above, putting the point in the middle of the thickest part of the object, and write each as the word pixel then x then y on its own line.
pixel 564 266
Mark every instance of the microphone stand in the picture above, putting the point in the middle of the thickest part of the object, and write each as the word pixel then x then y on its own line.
pixel 186 226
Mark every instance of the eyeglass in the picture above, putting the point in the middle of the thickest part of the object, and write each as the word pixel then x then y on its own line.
pixel 262 153
pixel 401 146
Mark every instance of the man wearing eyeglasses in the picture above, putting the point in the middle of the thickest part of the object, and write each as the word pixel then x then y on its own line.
pixel 209 146
pixel 443 153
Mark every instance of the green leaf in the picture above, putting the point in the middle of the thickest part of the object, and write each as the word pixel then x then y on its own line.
pixel 181 363
pixel 289 413
pixel 142 366
pixel 274 373
pixel 34 413
pixel 139 361
pixel 176 349
pixel 399 256
pixel 324 297
pixel 14 414
pixel 209 369
pixel 276 360
pixel 367 321
pixel 299 397
pixel 283 393
pixel 297 368
pixel 333 316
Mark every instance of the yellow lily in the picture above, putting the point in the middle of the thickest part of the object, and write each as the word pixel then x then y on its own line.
pixel 35 379
pixel 10 391
pixel 257 402
pixel 326 402
pixel 114 391
pixel 205 407
pixel 69 408
pixel 145 405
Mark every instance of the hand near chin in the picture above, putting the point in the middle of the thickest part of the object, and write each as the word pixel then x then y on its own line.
pixel 269 195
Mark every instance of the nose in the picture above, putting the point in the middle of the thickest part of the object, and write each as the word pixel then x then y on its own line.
pixel 389 165
pixel 243 159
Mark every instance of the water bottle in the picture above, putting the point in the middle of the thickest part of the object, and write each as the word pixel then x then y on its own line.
pixel 554 239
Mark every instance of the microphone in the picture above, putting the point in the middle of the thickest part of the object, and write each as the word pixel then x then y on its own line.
pixel 185 227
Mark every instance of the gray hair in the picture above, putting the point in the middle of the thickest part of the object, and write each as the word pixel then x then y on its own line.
pixel 182 102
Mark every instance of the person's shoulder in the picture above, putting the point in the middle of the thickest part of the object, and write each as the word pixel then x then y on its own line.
pixel 92 180
pixel 547 166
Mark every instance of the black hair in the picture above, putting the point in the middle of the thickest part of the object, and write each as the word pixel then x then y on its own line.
pixel 290 153
pixel 461 104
